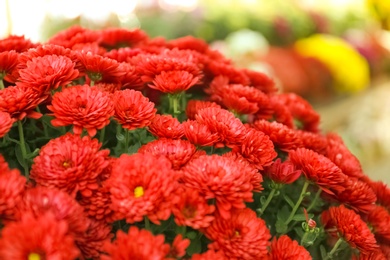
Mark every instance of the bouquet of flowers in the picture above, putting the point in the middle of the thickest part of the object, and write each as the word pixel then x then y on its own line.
pixel 116 145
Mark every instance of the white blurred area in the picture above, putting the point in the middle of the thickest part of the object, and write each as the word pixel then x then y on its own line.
pixel 27 17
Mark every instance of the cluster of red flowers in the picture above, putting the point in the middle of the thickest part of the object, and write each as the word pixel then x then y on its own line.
pixel 212 177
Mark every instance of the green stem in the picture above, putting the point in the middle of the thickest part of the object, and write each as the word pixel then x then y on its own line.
pixel 301 196
pixel 127 139
pixel 334 249
pixel 174 103
pixel 92 83
pixel 45 132
pixel 23 148
pixel 1 84
pixel 147 224
pixel 265 205
pixel 314 201
pixel 102 134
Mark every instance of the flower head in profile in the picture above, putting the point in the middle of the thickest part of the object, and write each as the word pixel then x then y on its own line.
pixel 379 219
pixel 136 244
pixel 142 185
pixel 227 180
pixel 209 254
pixel 8 65
pixel 382 192
pixel 286 248
pixel 43 237
pixel 166 126
pixel 348 225
pixel 199 134
pixel 6 123
pixel 132 109
pixel 120 38
pixel 193 106
pixel 84 107
pixel 48 73
pixel 70 163
pixel 283 172
pixel 243 236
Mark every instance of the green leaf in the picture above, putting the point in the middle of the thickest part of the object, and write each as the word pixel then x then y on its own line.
pixel 283 213
pixel 195 247
pixel 281 227
pixel 324 254
pixel 19 156
pixel 191 235
pixel 134 148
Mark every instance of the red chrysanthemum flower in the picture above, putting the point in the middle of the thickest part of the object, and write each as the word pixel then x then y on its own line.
pixel 84 107
pixel 261 81
pixel 199 134
pixel 357 195
pixel 178 248
pixel 137 244
pixel 49 72
pixel 12 186
pixel 235 76
pixel 92 47
pixel 99 68
pixel 257 148
pixel 166 126
pixel 188 43
pixel 193 107
pixel 142 185
pixel 70 163
pixel 283 172
pixel 108 87
pixel 192 209
pixel 123 54
pixel 236 97
pixel 348 225
pixel 313 141
pixel 92 241
pixel 132 109
pixel 63 38
pixel 210 254
pixel 98 204
pixel 178 152
pixel 37 238
pixel 20 102
pixel 8 65
pixel 131 79
pixel 16 43
pixel 382 192
pixel 283 138
pixel 319 170
pixel 6 123
pixel 41 200
pixel 223 178
pixel 302 111
pixel 175 81
pixel 284 248
pixel 230 129
pixel 374 255
pixel 379 219
pixel 275 110
pixel 243 236
pixel 338 153
pixel 121 38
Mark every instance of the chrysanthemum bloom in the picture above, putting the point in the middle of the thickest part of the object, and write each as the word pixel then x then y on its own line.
pixel 92 47
pixel 84 107
pixel 6 123
pixel 92 241
pixel 20 102
pixel 243 236
pixel 178 248
pixel 16 43
pixel 230 129
pixel 374 255
pixel 382 192
pixel 348 225
pixel 120 37
pixel 235 76
pixel 166 126
pixel 286 248
pixel 301 111
pixel 257 148
pixel 142 185
pixel 132 109
pixel 282 137
pixel 137 244
pixel 193 106
pixel 47 73
pixel 174 81
pixel 223 178
pixel 338 153
pixel 210 254
pixel 8 63
pixel 276 111
pixel 192 209
pixel 108 87
pixel 41 200
pixel 313 141
pixel 131 79
pixel 319 170
pixel 12 186
pixel 199 134
pixel 178 152
pixel 261 81
pixel 236 97
pixel 123 55
pixel 37 238
pixel 72 35
pixel 70 163
pixel 357 195
pixel 379 219
pixel 283 172
pixel 99 68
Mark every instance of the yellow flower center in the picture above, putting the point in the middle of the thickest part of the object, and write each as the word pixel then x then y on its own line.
pixel 66 164
pixel 138 191
pixel 237 233
pixel 34 256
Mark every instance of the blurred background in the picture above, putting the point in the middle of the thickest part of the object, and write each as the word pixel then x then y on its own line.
pixel 335 53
